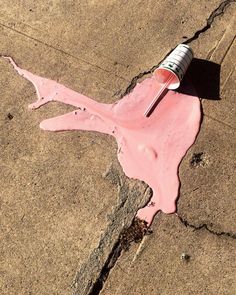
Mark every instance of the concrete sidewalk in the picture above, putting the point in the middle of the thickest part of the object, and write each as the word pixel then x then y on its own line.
pixel 64 198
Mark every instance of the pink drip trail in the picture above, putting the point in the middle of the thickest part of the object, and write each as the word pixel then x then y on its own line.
pixel 149 148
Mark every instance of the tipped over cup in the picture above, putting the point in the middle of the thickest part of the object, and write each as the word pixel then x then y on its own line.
pixel 174 66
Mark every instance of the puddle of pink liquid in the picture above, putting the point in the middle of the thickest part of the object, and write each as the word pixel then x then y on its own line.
pixel 149 149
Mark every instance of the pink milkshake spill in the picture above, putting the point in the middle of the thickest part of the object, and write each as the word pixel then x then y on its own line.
pixel 150 148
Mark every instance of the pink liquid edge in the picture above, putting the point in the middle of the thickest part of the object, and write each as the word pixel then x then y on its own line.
pixel 149 148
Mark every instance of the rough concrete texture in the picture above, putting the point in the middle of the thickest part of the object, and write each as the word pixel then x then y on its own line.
pixel 208 188
pixel 175 260
pixel 204 228
pixel 64 198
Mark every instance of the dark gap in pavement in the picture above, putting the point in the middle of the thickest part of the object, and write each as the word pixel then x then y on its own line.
pixel 217 12
pixel 205 226
pixel 134 233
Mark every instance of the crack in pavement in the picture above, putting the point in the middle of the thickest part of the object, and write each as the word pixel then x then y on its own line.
pixel 118 248
pixel 109 264
pixel 219 121
pixel 206 227
pixel 133 234
pixel 116 251
pixel 94 272
pixel 216 12
pixel 94 287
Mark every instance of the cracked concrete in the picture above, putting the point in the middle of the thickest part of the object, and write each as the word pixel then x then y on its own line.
pixel 209 22
pixel 200 210
pixel 61 235
pixel 156 265
pixel 217 12
pixel 205 226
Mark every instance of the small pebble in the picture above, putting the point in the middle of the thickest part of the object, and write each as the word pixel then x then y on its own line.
pixel 185 257
pixel 9 116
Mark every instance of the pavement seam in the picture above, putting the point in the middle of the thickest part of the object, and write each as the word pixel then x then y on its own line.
pixel 94 272
pixel 226 80
pixel 215 13
pixel 219 121
pixel 116 252
pixel 228 49
pixel 109 264
pixel 61 51
pixel 136 233
pixel 204 226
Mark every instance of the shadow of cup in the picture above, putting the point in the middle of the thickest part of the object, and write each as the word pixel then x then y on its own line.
pixel 204 75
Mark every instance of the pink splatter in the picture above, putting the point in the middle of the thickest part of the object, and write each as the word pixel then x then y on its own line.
pixel 149 148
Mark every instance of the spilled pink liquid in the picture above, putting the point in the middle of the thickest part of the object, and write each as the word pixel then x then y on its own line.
pixel 149 148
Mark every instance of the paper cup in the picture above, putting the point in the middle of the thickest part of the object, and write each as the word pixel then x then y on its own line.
pixel 175 65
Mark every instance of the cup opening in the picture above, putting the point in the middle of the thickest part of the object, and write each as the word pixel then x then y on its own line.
pixel 162 75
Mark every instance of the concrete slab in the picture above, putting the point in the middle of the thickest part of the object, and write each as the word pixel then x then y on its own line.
pixel 158 265
pixel 208 188
pixel 122 38
pixel 206 205
pixel 64 198
pixel 56 203
pixel 208 179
